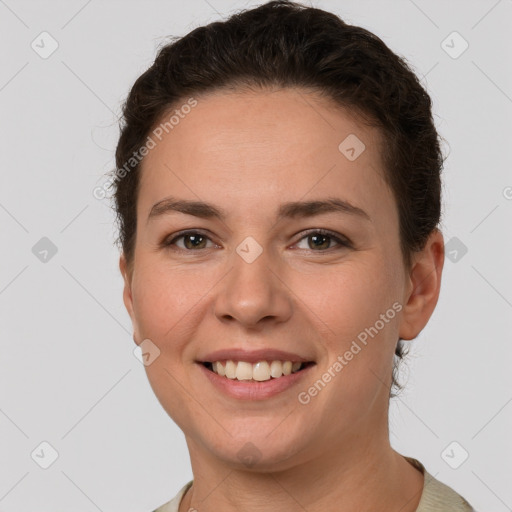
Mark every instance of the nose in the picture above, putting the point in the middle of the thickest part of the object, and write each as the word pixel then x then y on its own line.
pixel 253 293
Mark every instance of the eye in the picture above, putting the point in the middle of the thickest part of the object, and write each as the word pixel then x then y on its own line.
pixel 191 240
pixel 321 240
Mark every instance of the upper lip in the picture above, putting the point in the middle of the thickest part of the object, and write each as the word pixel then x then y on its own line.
pixel 252 356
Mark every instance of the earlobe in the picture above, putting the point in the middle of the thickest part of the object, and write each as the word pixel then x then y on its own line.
pixel 424 286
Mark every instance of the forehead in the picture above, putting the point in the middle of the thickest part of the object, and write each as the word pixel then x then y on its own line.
pixel 264 145
pixel 242 122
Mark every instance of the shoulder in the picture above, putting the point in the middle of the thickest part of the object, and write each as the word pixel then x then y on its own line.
pixel 439 497
pixel 173 505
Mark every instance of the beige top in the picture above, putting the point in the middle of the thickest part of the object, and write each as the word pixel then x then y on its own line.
pixel 436 496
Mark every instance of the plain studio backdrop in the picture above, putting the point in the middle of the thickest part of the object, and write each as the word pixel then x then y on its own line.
pixel 80 428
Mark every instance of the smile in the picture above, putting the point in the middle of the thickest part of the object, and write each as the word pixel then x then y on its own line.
pixel 260 371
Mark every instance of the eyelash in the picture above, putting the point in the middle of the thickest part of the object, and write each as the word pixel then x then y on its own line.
pixel 343 242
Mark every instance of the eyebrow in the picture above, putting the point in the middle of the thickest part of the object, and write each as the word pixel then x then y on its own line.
pixel 286 210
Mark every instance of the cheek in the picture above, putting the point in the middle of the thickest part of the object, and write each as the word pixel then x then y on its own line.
pixel 350 297
pixel 164 307
pixel 161 298
pixel 352 307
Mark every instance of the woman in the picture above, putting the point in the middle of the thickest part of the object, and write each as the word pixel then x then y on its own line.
pixel 278 198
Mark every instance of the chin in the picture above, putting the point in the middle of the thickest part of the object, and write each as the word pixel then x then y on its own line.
pixel 256 450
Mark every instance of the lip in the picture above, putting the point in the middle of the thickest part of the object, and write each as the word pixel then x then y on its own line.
pixel 253 356
pixel 250 390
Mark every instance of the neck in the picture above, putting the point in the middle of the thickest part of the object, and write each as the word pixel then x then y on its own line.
pixel 350 480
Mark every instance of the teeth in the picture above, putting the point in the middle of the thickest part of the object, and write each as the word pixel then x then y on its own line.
pixel 218 368
pixel 244 371
pixel 230 369
pixel 276 369
pixel 260 371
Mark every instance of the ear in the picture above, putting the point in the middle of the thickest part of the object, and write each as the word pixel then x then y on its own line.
pixel 424 287
pixel 127 274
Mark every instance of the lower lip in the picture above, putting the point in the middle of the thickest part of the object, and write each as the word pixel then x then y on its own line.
pixel 250 390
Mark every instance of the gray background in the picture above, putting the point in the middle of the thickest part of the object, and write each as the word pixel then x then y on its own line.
pixel 68 374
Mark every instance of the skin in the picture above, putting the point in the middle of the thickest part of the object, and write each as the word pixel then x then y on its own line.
pixel 333 453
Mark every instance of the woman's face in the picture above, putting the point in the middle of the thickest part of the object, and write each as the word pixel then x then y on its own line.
pixel 257 280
